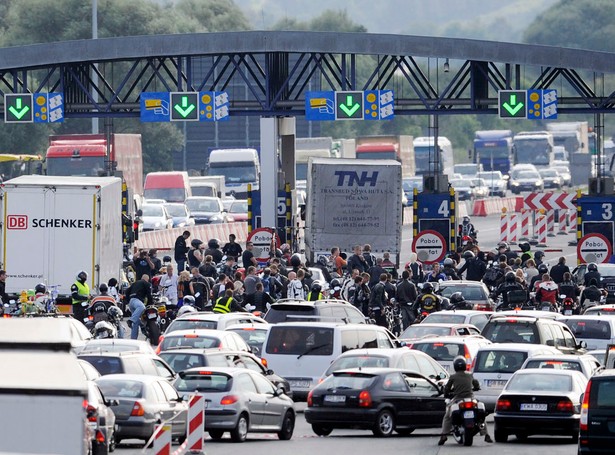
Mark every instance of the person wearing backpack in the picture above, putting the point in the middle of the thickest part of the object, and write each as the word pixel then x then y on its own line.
pixel 493 275
pixel 427 302
pixel 506 288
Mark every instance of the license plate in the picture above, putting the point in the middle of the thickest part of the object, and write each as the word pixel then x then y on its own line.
pixel 468 414
pixel 533 406
pixel 446 367
pixel 299 383
pixel 495 383
pixel 567 312
pixel 335 398
pixel 152 316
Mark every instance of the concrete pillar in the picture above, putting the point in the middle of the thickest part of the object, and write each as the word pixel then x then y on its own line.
pixel 269 170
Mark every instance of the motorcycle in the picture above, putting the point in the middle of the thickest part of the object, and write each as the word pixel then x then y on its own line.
pixel 468 418
pixel 150 324
pixel 569 306
pixel 394 317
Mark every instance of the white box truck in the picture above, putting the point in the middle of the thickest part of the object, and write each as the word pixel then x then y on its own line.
pixel 353 202
pixel 239 167
pixel 43 400
pixel 53 227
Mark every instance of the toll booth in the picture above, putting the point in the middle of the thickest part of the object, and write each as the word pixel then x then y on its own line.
pixel 434 213
pixel 595 228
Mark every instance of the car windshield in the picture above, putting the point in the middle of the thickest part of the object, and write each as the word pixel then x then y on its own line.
pixel 590 328
pixel 420 331
pixel 511 331
pixel 358 361
pixel 205 381
pixel 189 341
pixel 348 381
pixel 440 351
pixel 540 383
pixel 176 209
pixel 239 207
pixel 528 175
pixel 300 341
pixel 461 183
pixel 606 270
pixel 490 175
pixel 182 361
pixel 441 318
pixel 120 388
pixel 152 210
pixel 203 205
pixel 108 347
pixel 469 292
pixel 548 173
pixel 555 364
pixel 180 324
pixel 496 361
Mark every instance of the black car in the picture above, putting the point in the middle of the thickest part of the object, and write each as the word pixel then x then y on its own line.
pixel 597 424
pixel 379 399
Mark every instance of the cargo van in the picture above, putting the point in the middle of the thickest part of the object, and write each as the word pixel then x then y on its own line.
pixel 300 352
pixel 171 186
pixel 239 167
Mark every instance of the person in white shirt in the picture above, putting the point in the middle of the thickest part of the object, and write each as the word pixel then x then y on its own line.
pixel 169 279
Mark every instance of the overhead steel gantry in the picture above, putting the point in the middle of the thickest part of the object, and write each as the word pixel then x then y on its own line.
pixel 429 75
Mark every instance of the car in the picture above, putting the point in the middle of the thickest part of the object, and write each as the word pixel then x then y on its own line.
pixel 155 217
pixel 203 339
pixel 586 364
pixel 540 401
pixel 495 181
pixel 117 345
pixel 140 403
pixel 564 173
pixel 532 330
pixel 476 318
pixel 90 373
pixel 606 271
pixel 383 400
pixel 444 349
pixel 495 363
pixel 596 331
pixel 597 414
pixel 317 310
pixel 526 180
pixel 474 292
pixel 416 332
pixel 467 170
pixel 559 153
pixel 185 359
pixel 100 419
pixel 209 320
pixel 207 210
pixel 239 210
pixel 463 188
pixel 600 310
pixel 551 178
pixel 404 359
pixel 301 351
pixel 480 189
pixel 129 363
pixel 53 334
pixel 180 214
pixel 239 401
pixel 253 334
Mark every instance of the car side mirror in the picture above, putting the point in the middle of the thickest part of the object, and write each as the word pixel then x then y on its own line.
pixel 442 375
pixel 269 372
pixel 400 344
pixel 582 345
pixel 279 391
pixel 550 343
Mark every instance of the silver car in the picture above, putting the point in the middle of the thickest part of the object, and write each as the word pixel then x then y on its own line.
pixel 140 402
pixel 240 401
pixel 100 419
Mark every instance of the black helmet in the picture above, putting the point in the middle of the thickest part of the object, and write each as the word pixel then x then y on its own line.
pixel 335 284
pixel 427 287
pixel 460 364
pixel 166 259
pixel 316 287
pixel 214 244
pixel 448 262
pixel 466 220
pixel 295 260
pixel 278 253
pixel 592 267
pixel 196 243
pixel 103 287
pixel 40 288
pixel 503 245
pixel 525 247
pixel 468 254
pixel 538 254
pixel 510 277
pixel 82 275
pixel 115 313
pixel 456 298
pixel 542 269
pixel 322 260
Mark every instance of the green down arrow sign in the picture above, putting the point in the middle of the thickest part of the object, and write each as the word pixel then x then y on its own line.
pixel 185 106
pixel 512 104
pixel 349 105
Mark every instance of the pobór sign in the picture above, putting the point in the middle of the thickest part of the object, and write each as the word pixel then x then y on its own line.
pixel 594 248
pixel 430 246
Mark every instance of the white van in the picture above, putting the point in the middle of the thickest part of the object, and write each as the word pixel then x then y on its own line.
pixel 239 167
pixel 495 364
pixel 300 352
pixel 597 331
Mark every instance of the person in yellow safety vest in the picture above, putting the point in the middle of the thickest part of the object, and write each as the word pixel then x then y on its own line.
pixel 80 292
pixel 315 293
pixel 227 304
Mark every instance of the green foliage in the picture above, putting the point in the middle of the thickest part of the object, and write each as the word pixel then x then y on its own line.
pixel 327 21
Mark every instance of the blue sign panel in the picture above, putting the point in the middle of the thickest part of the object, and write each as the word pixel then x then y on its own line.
pixel 320 106
pixel 433 213
pixel 597 217
pixel 155 107
pixel 48 108
pixel 378 104
pixel 213 106
pixel 542 104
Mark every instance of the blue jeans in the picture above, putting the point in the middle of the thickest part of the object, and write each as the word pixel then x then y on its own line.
pixel 181 265
pixel 136 309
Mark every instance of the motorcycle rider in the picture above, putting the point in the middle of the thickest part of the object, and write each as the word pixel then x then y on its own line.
pixel 526 252
pixel 213 250
pixel 227 304
pixel 558 270
pixel 592 272
pixel 232 248
pixel 378 301
pixel 405 294
pixel 449 269
pixel 80 293
pixel 510 284
pixel 458 302
pixel 591 293
pixel 474 267
pixel 357 261
pixel 139 292
pixel 460 386
pixel 546 291
pixel 542 269
pixel 106 301
pixel 568 287
pixel 388 265
pixel 315 293
pixel 427 301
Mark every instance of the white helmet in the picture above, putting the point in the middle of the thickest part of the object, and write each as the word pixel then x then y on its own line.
pixel 103 329
pixel 185 309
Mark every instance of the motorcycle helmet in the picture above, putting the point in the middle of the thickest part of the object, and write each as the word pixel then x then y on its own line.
pixel 186 309
pixel 316 287
pixel 525 247
pixel 510 277
pixel 468 255
pixel 278 253
pixel 539 254
pixel 459 364
pixel 196 243
pixel 295 260
pixel 335 284
pixel 40 288
pixel 82 275
pixel 103 287
pixel 448 262
pixel 103 329
pixel 189 300
pixel 322 260
pixel 166 259
pixel 457 299
pixel 592 267
pixel 115 313
pixel 466 220
pixel 503 245
pixel 542 269
pixel 427 287
pixel 214 244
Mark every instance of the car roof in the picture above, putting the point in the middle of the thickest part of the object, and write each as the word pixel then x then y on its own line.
pixel 588 317
pixel 248 326
pixel 564 357
pixel 526 314
pixel 463 283
pixel 45 333
pixel 606 373
pixel 523 347
pixel 115 354
pixel 309 303
pixel 129 377
pixel 552 371
pixel 465 312
pixel 445 324
pixel 377 371
pixel 205 333
pixel 452 339
pixel 217 317
pixel 228 370
pixel 323 324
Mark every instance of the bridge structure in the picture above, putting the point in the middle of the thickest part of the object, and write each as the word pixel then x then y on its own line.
pixel 104 78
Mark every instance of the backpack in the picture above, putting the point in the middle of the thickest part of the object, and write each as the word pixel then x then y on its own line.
pixel 517 296
pixel 492 275
pixel 267 284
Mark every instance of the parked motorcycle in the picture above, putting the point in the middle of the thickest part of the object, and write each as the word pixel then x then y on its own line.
pixel 468 418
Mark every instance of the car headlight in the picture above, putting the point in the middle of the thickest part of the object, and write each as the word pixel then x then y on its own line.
pixel 157 224
pixel 538 183
pixel 515 183
pixel 216 218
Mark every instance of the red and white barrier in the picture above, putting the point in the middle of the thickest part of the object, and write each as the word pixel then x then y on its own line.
pixel 541 230
pixel 196 424
pixel 504 227
pixel 562 222
pixel 572 220
pixel 512 228
pixel 525 225
pixel 162 440
pixel 493 206
pixel 551 223
pixel 165 239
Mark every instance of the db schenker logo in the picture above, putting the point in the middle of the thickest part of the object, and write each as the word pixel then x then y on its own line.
pixel 17 222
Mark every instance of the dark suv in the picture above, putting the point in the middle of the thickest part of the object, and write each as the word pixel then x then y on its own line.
pixel 533 330
pixel 314 311
pixel 597 425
